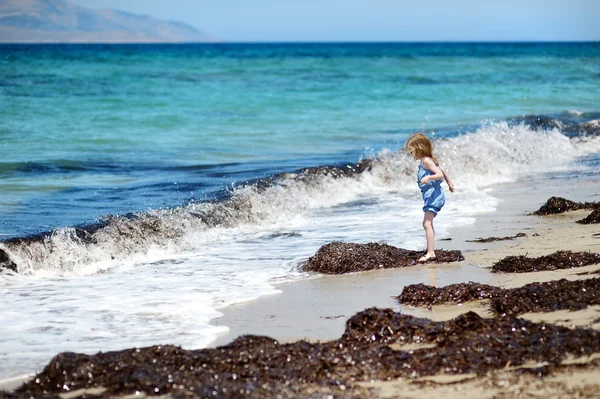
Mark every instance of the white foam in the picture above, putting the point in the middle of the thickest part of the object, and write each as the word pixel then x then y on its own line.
pixel 496 153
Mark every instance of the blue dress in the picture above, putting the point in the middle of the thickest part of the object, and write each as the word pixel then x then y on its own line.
pixel 433 195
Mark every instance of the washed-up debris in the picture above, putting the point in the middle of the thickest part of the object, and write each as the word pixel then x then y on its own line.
pixel 548 297
pixel 556 205
pixel 593 217
pixel 588 273
pixel 260 367
pixel 339 258
pixel 492 239
pixel 535 297
pixel 555 261
pixel 426 295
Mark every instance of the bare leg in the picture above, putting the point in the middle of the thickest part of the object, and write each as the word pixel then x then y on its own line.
pixel 430 235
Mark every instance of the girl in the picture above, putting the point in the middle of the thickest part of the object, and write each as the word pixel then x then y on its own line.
pixel 429 179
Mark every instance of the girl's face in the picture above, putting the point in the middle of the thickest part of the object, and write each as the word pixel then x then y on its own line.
pixel 412 152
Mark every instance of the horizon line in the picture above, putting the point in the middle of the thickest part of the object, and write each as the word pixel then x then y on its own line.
pixel 310 42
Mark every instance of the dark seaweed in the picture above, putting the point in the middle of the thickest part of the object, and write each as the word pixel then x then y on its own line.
pixel 338 258
pixel 260 367
pixel 491 239
pixel 535 297
pixel 426 295
pixel 556 205
pixel 593 217
pixel 588 273
pixel 555 261
pixel 549 296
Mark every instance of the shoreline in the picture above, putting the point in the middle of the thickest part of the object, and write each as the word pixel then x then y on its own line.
pixel 317 308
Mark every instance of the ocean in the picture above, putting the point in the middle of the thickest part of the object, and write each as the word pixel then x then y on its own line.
pixel 144 188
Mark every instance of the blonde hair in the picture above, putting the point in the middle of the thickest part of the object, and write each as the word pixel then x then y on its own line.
pixel 422 147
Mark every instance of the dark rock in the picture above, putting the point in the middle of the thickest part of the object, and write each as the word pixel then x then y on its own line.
pixel 557 260
pixel 338 258
pixel 6 262
pixel 491 239
pixel 593 217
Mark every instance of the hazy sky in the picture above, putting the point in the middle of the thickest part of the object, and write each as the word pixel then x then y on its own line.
pixel 376 20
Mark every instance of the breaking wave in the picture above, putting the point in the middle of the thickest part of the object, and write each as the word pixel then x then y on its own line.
pixel 496 152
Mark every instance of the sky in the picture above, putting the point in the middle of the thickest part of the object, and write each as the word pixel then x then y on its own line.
pixel 376 20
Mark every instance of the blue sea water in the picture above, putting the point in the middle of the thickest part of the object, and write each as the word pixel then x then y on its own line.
pixel 144 187
pixel 92 130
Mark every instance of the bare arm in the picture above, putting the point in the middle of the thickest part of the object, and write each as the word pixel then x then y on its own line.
pixel 431 166
pixel 447 178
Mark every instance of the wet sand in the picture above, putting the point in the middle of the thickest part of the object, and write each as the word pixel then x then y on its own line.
pixel 317 308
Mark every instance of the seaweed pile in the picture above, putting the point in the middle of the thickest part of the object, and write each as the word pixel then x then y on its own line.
pixel 492 239
pixel 260 367
pixel 535 297
pixel 555 261
pixel 426 295
pixel 593 217
pixel 339 258
pixel 556 205
pixel 549 296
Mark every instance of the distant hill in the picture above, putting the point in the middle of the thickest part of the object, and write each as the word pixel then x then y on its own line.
pixel 50 21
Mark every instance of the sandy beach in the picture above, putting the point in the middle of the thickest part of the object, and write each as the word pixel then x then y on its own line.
pixel 317 309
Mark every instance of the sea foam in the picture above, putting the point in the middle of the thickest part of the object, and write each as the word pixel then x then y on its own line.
pixel 495 153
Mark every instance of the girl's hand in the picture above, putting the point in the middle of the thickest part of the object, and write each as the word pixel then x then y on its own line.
pixel 425 180
pixel 451 187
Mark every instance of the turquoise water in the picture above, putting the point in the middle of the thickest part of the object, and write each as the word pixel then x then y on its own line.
pixel 88 130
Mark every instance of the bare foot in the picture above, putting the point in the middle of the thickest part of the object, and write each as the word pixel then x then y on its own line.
pixel 426 257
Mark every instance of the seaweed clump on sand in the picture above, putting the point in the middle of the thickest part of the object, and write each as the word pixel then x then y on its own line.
pixel 555 261
pixel 547 297
pixel 535 297
pixel 556 205
pixel 593 217
pixel 260 367
pixel 492 239
pixel 339 258
pixel 426 295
